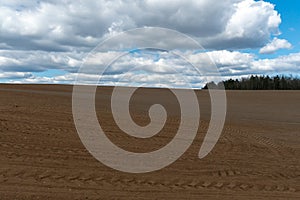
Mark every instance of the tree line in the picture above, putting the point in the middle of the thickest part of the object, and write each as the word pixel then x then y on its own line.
pixel 258 83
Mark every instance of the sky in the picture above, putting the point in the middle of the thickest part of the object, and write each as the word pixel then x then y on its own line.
pixel 48 41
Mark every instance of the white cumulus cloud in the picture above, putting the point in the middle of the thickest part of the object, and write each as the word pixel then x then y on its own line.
pixel 54 25
pixel 275 45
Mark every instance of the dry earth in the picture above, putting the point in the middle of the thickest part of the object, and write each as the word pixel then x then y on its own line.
pixel 42 157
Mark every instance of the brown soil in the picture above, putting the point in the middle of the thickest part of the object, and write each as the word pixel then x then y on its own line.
pixel 42 157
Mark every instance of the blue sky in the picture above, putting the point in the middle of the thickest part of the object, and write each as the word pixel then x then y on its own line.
pixel 47 41
pixel 290 26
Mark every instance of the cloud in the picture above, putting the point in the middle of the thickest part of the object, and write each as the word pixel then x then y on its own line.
pixel 288 64
pixel 68 25
pixel 166 69
pixel 250 26
pixel 15 75
pixel 39 61
pixel 275 45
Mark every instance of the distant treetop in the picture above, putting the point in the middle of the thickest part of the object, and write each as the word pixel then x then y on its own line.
pixel 258 83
